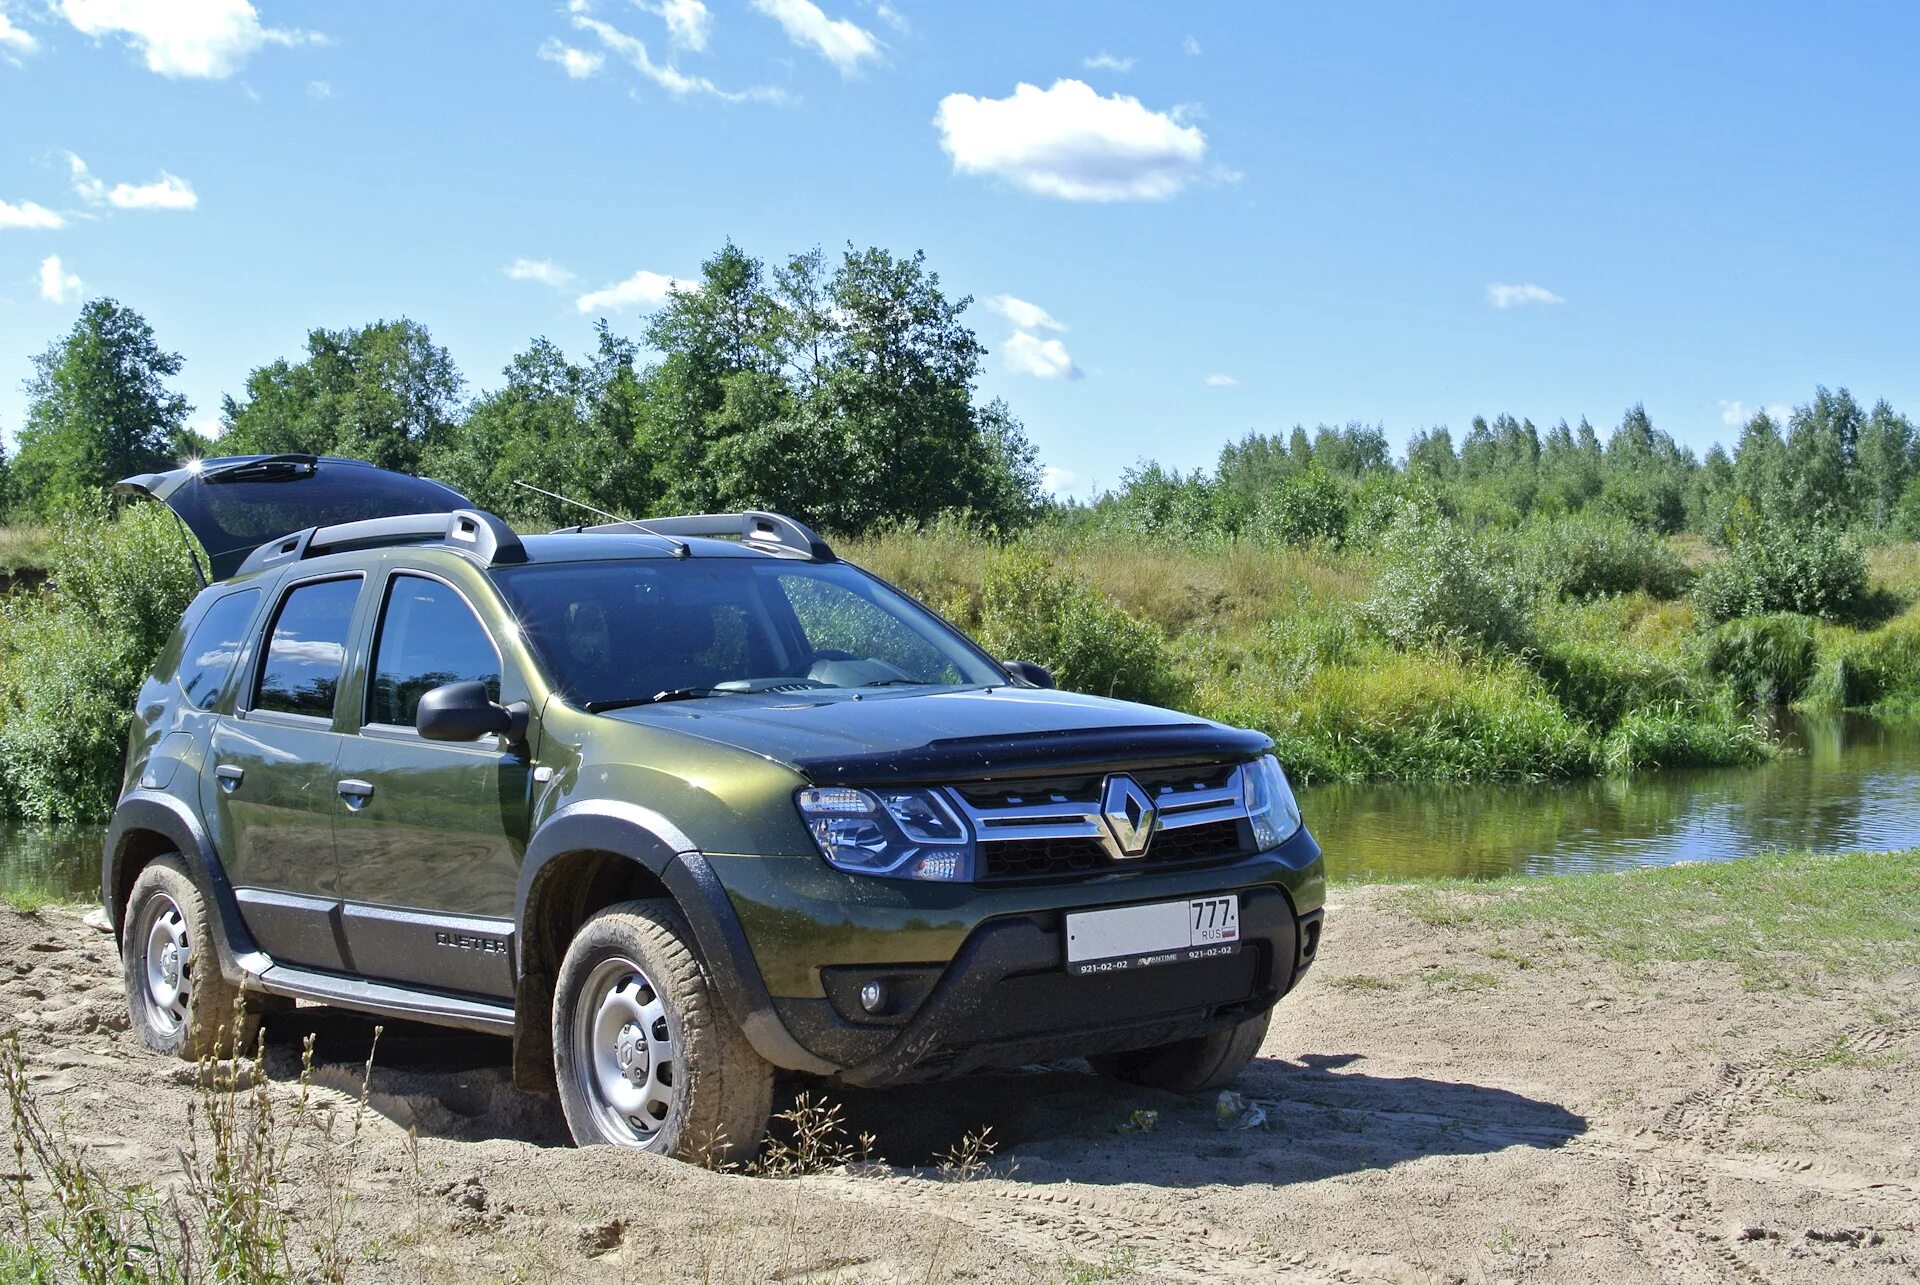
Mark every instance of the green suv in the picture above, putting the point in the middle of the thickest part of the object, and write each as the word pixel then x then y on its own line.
pixel 678 807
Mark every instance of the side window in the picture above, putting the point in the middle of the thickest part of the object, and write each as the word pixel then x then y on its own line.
pixel 837 619
pixel 307 649
pixel 215 645
pixel 428 636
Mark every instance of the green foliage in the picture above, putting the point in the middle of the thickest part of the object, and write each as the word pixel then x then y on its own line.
pixel 71 660
pixel 1590 556
pixel 1438 585
pixel 1681 734
pixel 1601 682
pixel 1030 612
pixel 98 410
pixel 1815 572
pixel 1766 659
pixel 379 393
pixel 1305 507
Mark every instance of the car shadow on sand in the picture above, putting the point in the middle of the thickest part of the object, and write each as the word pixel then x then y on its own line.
pixel 1325 1114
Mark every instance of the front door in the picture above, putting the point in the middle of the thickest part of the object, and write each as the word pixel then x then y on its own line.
pixel 430 853
pixel 269 780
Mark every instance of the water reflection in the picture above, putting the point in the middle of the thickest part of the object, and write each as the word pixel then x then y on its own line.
pixel 1850 783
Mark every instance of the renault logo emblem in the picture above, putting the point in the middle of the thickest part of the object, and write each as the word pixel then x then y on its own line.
pixel 1130 815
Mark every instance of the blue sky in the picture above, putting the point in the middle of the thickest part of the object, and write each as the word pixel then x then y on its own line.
pixel 1179 222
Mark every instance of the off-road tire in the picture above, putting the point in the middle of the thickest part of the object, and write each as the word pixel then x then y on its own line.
pixel 214 1022
pixel 1189 1066
pixel 722 1091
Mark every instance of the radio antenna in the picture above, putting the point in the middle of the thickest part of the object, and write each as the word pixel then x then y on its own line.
pixel 680 549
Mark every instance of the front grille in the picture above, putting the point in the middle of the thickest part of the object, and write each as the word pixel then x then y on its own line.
pixel 1055 828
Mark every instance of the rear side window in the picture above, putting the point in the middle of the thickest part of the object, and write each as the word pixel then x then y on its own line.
pixel 215 645
pixel 429 636
pixel 307 649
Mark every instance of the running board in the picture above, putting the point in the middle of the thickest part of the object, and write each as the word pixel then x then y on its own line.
pixel 385 999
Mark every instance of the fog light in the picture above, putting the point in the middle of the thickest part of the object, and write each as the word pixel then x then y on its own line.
pixel 873 997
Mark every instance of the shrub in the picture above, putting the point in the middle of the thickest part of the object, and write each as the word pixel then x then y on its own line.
pixel 1682 735
pixel 1437 585
pixel 72 658
pixel 1305 507
pixel 1404 716
pixel 1880 670
pixel 1601 681
pixel 1587 557
pixel 1029 612
pixel 1766 659
pixel 1772 567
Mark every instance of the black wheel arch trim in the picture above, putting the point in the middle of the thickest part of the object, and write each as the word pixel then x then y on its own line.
pixel 153 812
pixel 646 837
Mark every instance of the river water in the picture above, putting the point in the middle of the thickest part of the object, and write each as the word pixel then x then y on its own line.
pixel 1845 783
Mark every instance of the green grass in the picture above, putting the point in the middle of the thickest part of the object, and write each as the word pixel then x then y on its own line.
pixel 25 548
pixel 1784 920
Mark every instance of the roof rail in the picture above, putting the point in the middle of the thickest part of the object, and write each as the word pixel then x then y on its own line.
pixel 485 536
pixel 769 531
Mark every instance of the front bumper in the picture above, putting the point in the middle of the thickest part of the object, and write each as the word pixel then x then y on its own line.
pixel 975 975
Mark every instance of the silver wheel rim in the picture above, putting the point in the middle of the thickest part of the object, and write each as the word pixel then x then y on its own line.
pixel 624 1054
pixel 168 963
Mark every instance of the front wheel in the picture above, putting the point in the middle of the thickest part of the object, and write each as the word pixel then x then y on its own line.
pixel 643 1050
pixel 1189 1066
pixel 177 1000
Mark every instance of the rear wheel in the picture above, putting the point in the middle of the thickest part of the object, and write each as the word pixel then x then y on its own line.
pixel 1189 1066
pixel 644 1052
pixel 177 999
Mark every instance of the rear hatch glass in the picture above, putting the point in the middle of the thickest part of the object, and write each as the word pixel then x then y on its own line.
pixel 233 506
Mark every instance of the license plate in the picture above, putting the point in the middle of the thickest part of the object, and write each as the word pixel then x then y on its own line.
pixel 1166 932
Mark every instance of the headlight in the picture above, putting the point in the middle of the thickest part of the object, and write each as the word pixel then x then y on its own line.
pixel 906 834
pixel 1270 803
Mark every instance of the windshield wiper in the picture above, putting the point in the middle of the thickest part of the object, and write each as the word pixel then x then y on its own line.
pixel 901 682
pixel 671 694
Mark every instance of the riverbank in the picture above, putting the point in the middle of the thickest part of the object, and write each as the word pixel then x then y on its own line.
pixel 1475 1083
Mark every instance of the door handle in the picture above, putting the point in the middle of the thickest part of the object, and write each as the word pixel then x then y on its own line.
pixel 355 794
pixel 229 776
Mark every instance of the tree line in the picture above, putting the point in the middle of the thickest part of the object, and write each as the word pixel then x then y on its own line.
pixel 1833 465
pixel 842 391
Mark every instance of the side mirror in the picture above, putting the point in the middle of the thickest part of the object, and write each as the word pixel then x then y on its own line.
pixel 463 712
pixel 1028 674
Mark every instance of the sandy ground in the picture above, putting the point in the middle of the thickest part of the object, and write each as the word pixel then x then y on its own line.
pixel 1435 1113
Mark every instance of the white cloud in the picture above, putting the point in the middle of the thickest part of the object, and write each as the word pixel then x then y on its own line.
pixel 892 17
pixel 578 63
pixel 1023 315
pixel 840 42
pixel 1192 47
pixel 1072 143
pixel 168 192
pixel 14 40
pixel 644 288
pixel 545 271
pixel 196 38
pixel 1737 414
pixel 1029 354
pixel 1217 380
pixel 665 75
pixel 688 22
pixel 1104 61
pixel 1514 296
pixel 1055 480
pixel 319 89
pixel 27 214
pixel 57 285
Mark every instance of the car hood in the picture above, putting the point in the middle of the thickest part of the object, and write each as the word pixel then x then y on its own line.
pixel 883 736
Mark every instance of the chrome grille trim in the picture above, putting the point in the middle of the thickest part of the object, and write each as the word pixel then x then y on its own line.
pixel 1047 813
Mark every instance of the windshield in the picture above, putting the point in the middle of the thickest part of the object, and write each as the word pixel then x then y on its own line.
pixel 631 632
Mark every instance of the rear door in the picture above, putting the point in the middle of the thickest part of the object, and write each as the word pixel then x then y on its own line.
pixel 270 780
pixel 235 505
pixel 430 852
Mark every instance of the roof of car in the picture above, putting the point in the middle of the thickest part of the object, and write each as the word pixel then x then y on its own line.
pixel 604 546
